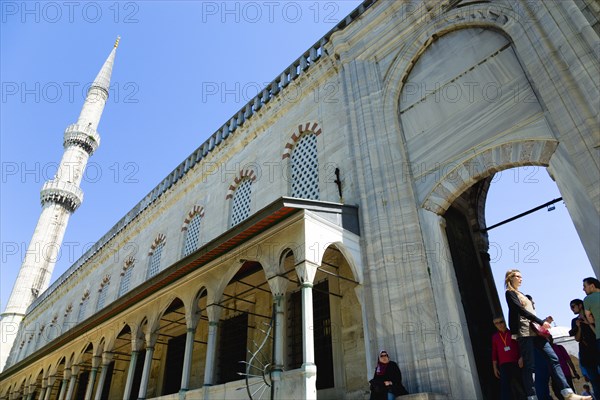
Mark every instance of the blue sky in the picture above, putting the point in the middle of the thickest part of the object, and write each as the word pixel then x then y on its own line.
pixel 182 69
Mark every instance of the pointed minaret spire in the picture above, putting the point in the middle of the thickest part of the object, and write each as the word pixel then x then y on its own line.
pixel 60 197
pixel 103 78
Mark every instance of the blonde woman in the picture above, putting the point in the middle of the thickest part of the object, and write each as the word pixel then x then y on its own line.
pixel 520 314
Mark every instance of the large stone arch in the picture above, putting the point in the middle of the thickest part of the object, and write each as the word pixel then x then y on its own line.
pixel 567 110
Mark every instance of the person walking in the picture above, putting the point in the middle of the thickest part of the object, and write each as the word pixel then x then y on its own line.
pixel 520 315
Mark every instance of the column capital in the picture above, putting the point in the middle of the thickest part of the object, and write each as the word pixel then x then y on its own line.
pixel 96 361
pixel 75 370
pixel 213 311
pixel 151 339
pixel 107 357
pixel 306 272
pixel 278 285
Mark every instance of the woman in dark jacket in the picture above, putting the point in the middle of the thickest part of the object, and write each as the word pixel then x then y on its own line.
pixel 387 381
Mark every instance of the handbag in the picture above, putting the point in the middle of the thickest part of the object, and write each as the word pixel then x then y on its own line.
pixel 540 330
pixel 377 386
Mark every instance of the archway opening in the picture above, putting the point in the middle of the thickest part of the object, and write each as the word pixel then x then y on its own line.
pixel 246 314
pixel 467 110
pixel 541 244
pixel 85 366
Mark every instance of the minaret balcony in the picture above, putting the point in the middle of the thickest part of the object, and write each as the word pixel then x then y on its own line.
pixel 67 194
pixel 85 137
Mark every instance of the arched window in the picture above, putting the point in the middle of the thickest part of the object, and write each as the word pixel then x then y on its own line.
pixel 126 276
pixel 191 227
pixel 66 325
pixel 240 206
pixel 102 293
pixel 305 168
pixel 83 306
pixel 155 256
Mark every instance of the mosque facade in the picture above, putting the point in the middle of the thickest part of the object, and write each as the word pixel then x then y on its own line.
pixel 303 236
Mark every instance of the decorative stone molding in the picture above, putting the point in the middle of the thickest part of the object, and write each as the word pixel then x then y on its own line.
pixel 196 210
pixel 309 127
pixel 484 164
pixel 244 174
pixel 59 192
pixel 160 238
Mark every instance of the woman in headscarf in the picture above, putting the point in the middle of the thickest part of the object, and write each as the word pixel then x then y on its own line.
pixel 387 381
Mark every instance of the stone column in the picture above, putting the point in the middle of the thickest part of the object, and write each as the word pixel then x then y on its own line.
pixel 92 380
pixel 213 312
pixel 136 345
pixel 187 358
pixel 50 383
pixel 306 272
pixel 150 342
pixel 63 386
pixel 74 373
pixel 28 395
pixel 278 285
pixel 43 391
pixel 106 360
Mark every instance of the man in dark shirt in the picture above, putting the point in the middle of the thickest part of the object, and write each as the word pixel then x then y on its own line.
pixel 585 336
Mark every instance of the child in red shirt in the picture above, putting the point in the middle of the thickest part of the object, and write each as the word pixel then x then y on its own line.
pixel 507 362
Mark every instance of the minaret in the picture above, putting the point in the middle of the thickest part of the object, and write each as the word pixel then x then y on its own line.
pixel 60 197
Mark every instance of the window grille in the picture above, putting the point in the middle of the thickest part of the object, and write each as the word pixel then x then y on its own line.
pixel 102 297
pixel 233 337
pixel 125 281
pixel 240 208
pixel 192 236
pixel 66 325
pixel 82 309
pixel 305 168
pixel 155 260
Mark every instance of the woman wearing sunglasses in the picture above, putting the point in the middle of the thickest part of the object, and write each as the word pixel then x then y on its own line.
pixel 387 381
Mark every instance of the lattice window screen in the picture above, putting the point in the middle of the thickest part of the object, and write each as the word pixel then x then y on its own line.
pixel 192 236
pixel 240 208
pixel 82 309
pixel 125 281
pixel 102 297
pixel 154 266
pixel 66 324
pixel 305 168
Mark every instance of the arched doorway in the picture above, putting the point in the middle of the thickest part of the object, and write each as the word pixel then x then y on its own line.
pixel 467 110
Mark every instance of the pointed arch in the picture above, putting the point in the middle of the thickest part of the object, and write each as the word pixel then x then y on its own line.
pixel 484 164
pixel 160 239
pixel 244 174
pixel 240 193
pixel 196 210
pixel 307 127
